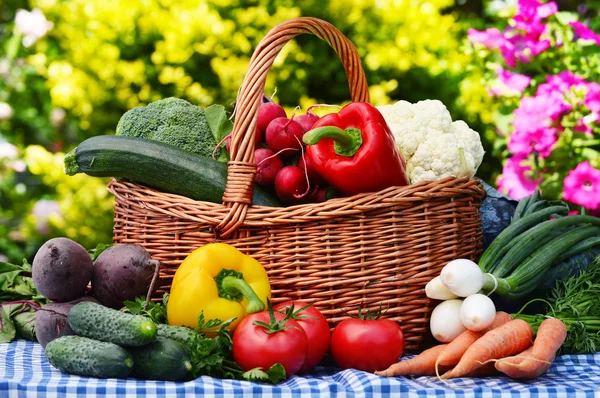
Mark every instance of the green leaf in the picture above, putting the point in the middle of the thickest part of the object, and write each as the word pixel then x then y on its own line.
pixel 7 327
pixel 95 252
pixel 564 17
pixel 25 325
pixel 218 121
pixel 157 312
pixel 274 374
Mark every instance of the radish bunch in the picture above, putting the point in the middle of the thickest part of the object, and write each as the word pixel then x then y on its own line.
pixel 463 306
pixel 281 162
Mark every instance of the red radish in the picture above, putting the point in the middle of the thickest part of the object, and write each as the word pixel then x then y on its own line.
pixel 284 135
pixel 314 177
pixel 307 120
pixel 319 195
pixel 290 184
pixel 267 112
pixel 267 166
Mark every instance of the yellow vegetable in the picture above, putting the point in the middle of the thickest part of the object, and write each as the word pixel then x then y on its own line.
pixel 220 281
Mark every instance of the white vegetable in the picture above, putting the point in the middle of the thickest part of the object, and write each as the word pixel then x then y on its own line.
pixel 462 277
pixel 445 324
pixel 433 146
pixel 477 312
pixel 436 290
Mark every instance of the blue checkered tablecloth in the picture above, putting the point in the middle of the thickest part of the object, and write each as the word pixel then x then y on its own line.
pixel 24 372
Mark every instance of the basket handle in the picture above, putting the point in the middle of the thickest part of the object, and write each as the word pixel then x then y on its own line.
pixel 242 168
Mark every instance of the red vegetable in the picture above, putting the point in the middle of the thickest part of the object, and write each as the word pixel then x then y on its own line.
pixel 290 185
pixel 267 166
pixel 307 120
pixel 314 177
pixel 316 328
pixel 284 135
pixel 266 113
pixel 355 150
pixel 266 338
pixel 367 344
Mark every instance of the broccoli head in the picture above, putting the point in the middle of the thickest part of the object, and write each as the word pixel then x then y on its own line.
pixel 173 121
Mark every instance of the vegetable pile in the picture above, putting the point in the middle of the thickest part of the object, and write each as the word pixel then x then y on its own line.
pixel 92 310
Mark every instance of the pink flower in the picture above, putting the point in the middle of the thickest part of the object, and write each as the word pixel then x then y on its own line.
pixel 584 32
pixel 592 97
pixel 491 38
pixel 509 83
pixel 521 48
pixel 526 142
pixel 582 186
pixel 538 112
pixel 514 182
pixel 563 82
pixel 530 14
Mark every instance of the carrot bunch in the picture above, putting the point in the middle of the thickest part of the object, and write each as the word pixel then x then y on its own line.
pixel 506 347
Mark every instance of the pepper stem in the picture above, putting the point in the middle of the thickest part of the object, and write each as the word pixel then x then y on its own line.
pixel 347 142
pixel 235 288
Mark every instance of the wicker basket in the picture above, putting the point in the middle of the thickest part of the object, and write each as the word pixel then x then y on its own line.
pixel 375 248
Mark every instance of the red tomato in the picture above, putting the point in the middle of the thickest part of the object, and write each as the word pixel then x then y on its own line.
pixel 317 330
pixel 369 345
pixel 253 347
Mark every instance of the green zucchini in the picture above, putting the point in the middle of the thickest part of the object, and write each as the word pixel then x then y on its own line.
pixel 535 237
pixel 525 278
pixel 98 322
pixel 157 165
pixel 86 357
pixel 500 245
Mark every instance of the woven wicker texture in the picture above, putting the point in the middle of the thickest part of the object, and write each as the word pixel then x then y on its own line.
pixel 374 248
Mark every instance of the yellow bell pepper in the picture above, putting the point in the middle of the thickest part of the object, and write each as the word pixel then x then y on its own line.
pixel 220 281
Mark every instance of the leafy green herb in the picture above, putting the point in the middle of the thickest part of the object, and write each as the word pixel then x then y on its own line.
pixel 95 252
pixel 576 302
pixel 157 312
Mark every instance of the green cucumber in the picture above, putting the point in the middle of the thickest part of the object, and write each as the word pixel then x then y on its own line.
pixel 500 245
pixel 530 240
pixel 163 359
pixel 157 165
pixel 101 323
pixel 526 277
pixel 520 209
pixel 180 334
pixel 86 357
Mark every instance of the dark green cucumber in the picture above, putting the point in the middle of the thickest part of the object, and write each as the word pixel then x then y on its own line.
pixel 163 359
pixel 526 277
pixel 530 240
pixel 180 334
pixel 86 357
pixel 105 324
pixel 520 209
pixel 500 245
pixel 157 165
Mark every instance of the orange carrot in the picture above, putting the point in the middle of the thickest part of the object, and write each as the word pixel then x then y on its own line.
pixel 421 365
pixel 508 339
pixel 457 347
pixel 486 370
pixel 537 360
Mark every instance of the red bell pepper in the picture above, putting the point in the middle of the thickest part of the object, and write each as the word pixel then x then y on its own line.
pixel 355 151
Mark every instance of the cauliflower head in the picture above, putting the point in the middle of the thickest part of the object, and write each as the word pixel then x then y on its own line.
pixel 433 146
